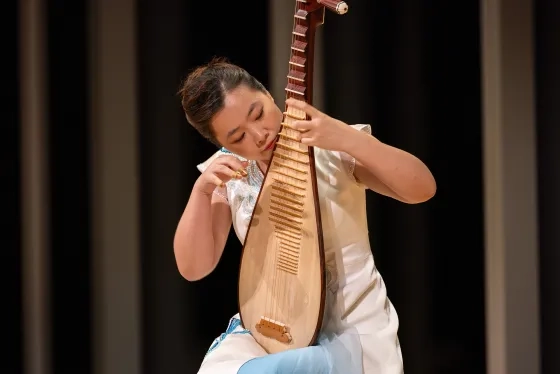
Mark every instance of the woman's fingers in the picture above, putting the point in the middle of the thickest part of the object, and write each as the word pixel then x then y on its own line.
pixel 217 181
pixel 303 106
pixel 225 168
pixel 225 172
pixel 302 126
pixel 234 164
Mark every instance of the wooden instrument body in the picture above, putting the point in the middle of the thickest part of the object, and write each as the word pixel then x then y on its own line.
pixel 281 289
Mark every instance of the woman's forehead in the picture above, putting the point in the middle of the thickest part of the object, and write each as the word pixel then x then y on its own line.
pixel 239 105
pixel 240 97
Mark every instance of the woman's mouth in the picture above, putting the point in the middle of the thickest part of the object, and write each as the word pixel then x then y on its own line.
pixel 270 145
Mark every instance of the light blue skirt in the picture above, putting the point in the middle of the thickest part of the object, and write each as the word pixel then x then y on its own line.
pixel 338 350
pixel 334 354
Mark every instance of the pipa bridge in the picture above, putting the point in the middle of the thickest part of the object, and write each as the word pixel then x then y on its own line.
pixel 274 330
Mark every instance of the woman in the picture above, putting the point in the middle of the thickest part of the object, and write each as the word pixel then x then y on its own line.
pixel 233 110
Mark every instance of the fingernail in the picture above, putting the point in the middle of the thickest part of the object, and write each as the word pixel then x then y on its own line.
pixel 243 172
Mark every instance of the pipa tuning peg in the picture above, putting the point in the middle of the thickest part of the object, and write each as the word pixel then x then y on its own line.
pixel 337 6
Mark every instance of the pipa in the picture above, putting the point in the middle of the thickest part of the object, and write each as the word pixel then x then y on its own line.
pixel 281 289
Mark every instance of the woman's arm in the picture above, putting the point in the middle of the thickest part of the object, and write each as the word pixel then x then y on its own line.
pixel 201 235
pixel 206 221
pixel 388 170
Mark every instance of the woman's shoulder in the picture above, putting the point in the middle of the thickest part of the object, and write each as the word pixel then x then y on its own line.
pixel 337 166
pixel 221 152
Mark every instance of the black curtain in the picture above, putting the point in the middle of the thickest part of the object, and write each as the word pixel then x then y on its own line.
pixel 410 68
pixel 406 67
pixel 181 319
pixel 68 122
pixel 547 42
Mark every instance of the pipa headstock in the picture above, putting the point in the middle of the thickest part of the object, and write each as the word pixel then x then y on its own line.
pixel 308 15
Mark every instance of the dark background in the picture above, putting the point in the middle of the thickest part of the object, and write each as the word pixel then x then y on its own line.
pixel 411 68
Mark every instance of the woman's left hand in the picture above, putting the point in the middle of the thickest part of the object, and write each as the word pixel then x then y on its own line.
pixel 321 130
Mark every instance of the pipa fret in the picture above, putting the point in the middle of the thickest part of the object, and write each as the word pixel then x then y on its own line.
pixel 300 30
pixel 299 45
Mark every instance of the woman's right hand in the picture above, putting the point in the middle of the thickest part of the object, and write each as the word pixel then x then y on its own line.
pixel 219 172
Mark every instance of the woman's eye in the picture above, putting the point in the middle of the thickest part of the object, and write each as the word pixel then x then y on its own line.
pixel 260 114
pixel 240 138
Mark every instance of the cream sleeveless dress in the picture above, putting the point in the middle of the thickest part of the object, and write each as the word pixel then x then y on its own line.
pixel 360 333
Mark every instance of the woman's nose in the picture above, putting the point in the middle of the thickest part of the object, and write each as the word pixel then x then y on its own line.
pixel 260 137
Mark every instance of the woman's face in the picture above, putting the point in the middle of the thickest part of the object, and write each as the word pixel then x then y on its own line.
pixel 248 124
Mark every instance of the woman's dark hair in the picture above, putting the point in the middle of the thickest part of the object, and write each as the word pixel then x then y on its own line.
pixel 204 90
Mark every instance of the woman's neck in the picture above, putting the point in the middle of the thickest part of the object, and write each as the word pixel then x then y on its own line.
pixel 263 165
